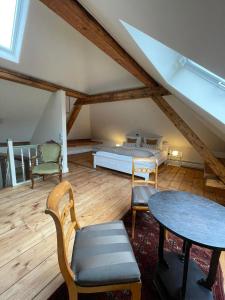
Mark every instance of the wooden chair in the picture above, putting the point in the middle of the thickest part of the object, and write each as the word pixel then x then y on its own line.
pixel 50 162
pixel 141 189
pixel 102 257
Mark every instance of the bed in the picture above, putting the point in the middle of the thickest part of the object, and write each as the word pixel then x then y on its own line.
pixel 120 158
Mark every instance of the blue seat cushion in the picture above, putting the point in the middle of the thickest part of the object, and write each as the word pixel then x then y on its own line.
pixel 102 255
pixel 141 195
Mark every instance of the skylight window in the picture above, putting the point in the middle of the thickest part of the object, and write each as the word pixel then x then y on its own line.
pixel 7 17
pixel 202 72
pixel 189 80
pixel 12 22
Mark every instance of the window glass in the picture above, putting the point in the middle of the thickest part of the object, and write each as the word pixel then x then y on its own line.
pixel 7 18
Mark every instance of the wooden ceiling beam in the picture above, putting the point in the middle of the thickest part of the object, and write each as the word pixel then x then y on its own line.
pixel 214 163
pixel 76 15
pixel 73 116
pixel 17 77
pixel 138 93
pixel 79 18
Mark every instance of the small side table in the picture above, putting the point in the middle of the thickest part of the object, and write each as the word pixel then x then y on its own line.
pixel 197 221
pixel 173 159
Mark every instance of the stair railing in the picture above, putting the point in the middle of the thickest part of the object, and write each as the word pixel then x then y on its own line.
pixel 19 158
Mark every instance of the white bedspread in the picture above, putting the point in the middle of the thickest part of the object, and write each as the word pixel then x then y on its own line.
pixel 129 151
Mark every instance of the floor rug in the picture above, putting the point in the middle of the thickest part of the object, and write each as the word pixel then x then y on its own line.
pixel 145 248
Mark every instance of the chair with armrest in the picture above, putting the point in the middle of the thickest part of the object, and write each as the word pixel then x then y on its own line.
pixel 102 257
pixel 49 155
pixel 142 189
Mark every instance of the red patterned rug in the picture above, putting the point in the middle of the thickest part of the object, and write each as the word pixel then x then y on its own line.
pixel 145 249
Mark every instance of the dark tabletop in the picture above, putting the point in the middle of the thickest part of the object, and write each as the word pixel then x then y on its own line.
pixel 191 217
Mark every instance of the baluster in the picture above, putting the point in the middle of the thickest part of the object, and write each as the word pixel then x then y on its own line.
pixel 12 163
pixel 22 164
pixel 7 176
pixel 29 156
pixel 36 154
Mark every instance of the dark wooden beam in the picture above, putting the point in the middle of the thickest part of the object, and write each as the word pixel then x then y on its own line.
pixel 214 163
pixel 74 13
pixel 37 83
pixel 78 17
pixel 73 116
pixel 138 93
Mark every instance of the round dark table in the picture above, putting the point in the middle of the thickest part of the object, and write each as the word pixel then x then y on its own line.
pixel 198 221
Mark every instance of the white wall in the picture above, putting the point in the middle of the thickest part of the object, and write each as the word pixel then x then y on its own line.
pixel 113 121
pixel 20 110
pixel 82 126
pixel 52 125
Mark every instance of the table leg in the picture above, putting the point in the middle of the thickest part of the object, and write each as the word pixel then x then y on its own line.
pixel 184 246
pixel 209 281
pixel 161 245
pixel 185 271
pixel 183 251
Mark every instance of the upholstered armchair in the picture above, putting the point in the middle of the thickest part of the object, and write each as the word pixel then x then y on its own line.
pixel 47 162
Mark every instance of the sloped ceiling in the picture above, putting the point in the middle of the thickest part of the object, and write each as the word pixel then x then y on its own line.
pixel 182 26
pixel 193 28
pixel 21 108
pixel 54 51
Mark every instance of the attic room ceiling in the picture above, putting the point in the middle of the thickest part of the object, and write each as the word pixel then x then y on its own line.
pixel 193 28
pixel 52 50
pixel 189 38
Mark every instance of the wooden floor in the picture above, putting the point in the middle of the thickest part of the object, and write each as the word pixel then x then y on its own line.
pixel 28 261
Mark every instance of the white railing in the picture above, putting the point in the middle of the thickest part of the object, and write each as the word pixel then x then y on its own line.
pixel 19 158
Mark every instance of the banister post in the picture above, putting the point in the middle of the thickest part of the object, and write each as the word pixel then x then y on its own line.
pixel 11 162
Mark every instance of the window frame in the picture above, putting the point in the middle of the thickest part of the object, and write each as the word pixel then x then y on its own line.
pixel 202 72
pixel 13 53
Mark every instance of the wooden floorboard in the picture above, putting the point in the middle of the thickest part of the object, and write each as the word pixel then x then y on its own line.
pixel 28 260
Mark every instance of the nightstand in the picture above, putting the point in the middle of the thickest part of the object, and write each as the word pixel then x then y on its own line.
pixel 175 158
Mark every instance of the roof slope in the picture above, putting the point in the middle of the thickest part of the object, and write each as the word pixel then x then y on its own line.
pixel 54 51
pixel 184 27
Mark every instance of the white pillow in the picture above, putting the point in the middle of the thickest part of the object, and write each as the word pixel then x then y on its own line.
pixel 133 141
pixel 152 142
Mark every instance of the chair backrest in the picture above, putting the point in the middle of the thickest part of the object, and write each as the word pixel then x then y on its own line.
pixel 50 152
pixel 65 221
pixel 145 166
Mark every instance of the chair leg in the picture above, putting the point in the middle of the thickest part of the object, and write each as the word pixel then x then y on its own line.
pixel 73 295
pixel 60 176
pixel 133 222
pixel 32 182
pixel 43 177
pixel 136 291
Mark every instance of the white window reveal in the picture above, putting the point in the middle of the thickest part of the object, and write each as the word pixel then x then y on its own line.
pixel 13 15
pixel 202 72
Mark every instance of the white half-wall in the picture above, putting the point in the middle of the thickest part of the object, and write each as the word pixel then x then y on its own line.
pixel 52 125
